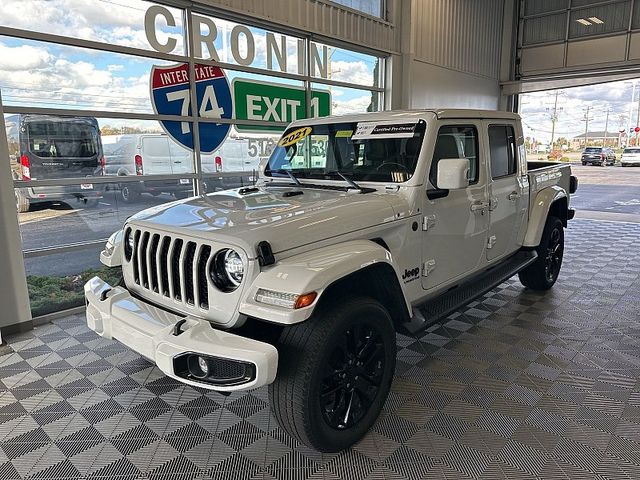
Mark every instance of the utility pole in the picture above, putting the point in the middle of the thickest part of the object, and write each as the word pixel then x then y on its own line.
pixel 586 126
pixel 606 126
pixel 554 118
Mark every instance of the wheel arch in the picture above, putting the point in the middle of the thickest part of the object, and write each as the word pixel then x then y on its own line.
pixel 549 201
pixel 354 267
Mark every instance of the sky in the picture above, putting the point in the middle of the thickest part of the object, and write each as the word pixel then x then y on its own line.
pixel 616 97
pixel 49 75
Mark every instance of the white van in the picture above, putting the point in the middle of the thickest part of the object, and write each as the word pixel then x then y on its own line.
pixel 147 154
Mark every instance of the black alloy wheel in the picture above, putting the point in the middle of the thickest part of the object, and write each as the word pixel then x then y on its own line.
pixel 553 258
pixel 353 376
pixel 543 272
pixel 334 372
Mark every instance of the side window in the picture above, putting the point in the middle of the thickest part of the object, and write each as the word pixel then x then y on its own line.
pixel 456 141
pixel 502 147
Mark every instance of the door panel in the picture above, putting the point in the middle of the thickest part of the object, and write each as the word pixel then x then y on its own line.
pixel 453 244
pixel 508 195
pixel 155 155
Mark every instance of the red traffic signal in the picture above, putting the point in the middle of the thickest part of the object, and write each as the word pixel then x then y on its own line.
pixel 637 129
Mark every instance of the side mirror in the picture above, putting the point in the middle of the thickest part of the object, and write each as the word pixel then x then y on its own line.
pixel 453 173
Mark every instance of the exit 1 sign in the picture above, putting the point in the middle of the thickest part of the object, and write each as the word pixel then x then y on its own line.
pixel 275 103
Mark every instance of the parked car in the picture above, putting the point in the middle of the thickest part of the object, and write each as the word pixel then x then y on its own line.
pixel 630 157
pixel 51 147
pixel 598 156
pixel 147 154
pixel 359 226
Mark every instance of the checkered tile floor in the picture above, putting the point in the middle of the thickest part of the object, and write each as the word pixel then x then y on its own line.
pixel 517 385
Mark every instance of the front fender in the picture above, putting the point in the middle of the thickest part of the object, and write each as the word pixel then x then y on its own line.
pixel 312 272
pixel 539 211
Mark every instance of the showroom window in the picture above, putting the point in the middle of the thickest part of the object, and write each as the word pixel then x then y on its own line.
pixel 99 108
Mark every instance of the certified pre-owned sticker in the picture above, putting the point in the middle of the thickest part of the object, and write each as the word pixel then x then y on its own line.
pixel 294 136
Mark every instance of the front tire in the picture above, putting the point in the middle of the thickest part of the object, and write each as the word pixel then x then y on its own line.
pixel 543 273
pixel 334 374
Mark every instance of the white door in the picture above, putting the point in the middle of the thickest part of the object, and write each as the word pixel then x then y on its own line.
pixel 507 190
pixel 456 223
pixel 156 159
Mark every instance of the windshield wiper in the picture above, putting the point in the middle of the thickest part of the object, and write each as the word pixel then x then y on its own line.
pixel 293 177
pixel 351 183
pixel 289 173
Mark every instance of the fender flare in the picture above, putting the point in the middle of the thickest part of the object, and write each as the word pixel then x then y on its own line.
pixel 313 271
pixel 540 207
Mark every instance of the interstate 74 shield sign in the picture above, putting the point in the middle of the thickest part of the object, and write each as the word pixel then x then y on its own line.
pixel 170 96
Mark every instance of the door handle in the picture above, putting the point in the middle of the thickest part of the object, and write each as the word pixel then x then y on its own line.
pixel 513 195
pixel 478 205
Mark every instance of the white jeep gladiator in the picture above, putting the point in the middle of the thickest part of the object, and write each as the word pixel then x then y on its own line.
pixel 358 227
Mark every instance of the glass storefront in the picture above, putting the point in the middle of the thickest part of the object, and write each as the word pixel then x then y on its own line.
pixel 99 108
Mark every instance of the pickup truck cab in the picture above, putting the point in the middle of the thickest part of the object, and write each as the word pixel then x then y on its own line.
pixel 358 227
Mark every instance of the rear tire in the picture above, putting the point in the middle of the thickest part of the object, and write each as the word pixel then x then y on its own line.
pixel 543 273
pixel 181 195
pixel 334 373
pixel 22 202
pixel 128 194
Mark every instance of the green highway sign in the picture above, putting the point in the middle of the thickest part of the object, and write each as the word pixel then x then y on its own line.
pixel 275 103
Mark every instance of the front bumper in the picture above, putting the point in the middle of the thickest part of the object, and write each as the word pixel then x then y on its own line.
pixel 149 331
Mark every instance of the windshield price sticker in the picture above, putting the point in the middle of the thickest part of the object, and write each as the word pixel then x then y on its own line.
pixel 294 137
pixel 366 130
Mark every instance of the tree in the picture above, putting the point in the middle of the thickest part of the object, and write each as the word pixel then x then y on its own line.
pixel 109 130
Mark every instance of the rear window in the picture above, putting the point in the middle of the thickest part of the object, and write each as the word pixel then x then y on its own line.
pixel 63 139
pixel 631 150
pixel 593 150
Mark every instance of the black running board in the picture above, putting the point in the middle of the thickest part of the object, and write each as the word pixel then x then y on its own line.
pixel 430 312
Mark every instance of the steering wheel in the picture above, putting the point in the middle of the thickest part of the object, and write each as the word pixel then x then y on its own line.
pixel 387 164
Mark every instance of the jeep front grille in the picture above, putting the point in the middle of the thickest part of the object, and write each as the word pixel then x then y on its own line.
pixel 170 267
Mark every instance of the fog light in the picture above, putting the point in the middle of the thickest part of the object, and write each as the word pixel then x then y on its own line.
pixel 198 366
pixel 202 363
pixel 286 300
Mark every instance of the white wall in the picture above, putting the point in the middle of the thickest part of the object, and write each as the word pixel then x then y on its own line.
pixel 434 86
pixel 452 54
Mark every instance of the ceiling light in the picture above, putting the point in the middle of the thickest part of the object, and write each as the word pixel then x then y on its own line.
pixel 583 21
pixel 596 20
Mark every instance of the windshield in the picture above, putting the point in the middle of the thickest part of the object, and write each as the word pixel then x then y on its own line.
pixel 364 151
pixel 62 139
pixel 593 150
pixel 631 150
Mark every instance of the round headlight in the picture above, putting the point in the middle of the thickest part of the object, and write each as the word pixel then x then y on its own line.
pixel 227 270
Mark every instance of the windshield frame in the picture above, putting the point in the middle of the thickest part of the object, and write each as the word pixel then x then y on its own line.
pixel 334 152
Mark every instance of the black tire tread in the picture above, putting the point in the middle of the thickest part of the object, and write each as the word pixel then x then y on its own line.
pixel 286 394
pixel 533 276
